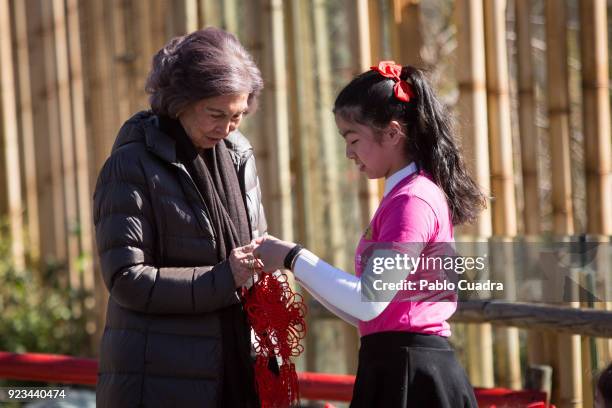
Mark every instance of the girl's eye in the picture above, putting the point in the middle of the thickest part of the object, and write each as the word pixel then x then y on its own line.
pixel 354 141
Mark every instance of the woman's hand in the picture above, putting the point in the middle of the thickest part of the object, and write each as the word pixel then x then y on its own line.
pixel 272 252
pixel 242 264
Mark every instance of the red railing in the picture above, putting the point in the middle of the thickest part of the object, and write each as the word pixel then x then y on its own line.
pixel 314 386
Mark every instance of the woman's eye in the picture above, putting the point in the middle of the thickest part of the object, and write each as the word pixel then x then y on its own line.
pixel 216 116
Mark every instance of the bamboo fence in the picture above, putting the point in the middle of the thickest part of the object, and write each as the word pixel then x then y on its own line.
pixel 73 70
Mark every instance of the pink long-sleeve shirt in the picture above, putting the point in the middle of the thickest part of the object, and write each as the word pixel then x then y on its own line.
pixel 413 218
pixel 413 210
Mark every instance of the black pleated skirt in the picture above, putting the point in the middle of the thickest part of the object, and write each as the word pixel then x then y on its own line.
pixel 401 369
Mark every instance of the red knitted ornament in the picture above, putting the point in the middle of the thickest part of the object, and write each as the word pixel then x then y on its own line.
pixel 277 316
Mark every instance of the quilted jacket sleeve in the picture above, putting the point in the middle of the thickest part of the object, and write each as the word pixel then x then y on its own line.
pixel 127 239
pixel 253 189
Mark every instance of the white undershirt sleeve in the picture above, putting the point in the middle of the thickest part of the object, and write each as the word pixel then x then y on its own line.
pixel 344 316
pixel 335 287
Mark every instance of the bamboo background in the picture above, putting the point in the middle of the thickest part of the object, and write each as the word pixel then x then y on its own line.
pixel 527 80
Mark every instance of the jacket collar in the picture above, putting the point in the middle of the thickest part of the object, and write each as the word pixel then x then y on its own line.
pixel 158 142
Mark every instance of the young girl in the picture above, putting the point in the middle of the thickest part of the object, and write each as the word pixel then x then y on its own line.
pixel 394 127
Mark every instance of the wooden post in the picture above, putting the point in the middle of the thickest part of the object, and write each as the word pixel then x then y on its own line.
pixel 568 380
pixel 473 131
pixel 504 202
pixel 529 151
pixel 597 146
pixel 10 174
pixel 28 145
pixel 406 34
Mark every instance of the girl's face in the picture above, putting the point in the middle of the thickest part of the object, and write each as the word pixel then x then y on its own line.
pixel 375 155
pixel 210 120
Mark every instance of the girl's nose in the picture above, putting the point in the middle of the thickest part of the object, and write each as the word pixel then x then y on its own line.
pixel 348 152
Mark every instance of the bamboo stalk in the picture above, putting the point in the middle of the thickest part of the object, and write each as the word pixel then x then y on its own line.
pixel 183 17
pixel 368 189
pixel 67 142
pixel 473 132
pixel 334 252
pixel 568 390
pixel 123 58
pixel 42 146
pixel 103 122
pixel 158 31
pixel 230 18
pixel 146 48
pixel 597 143
pixel 52 131
pixel 596 116
pixel 82 156
pixel 27 132
pixel 376 25
pixel 527 109
pixel 407 34
pixel 536 353
pixel 210 13
pixel 277 171
pixel 10 175
pixel 303 131
pixel 504 204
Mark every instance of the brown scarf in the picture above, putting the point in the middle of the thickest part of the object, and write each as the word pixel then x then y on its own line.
pixel 215 177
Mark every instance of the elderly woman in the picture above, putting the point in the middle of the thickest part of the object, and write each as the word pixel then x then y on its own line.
pixel 175 207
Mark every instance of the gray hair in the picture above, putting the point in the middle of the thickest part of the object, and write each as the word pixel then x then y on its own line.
pixel 203 64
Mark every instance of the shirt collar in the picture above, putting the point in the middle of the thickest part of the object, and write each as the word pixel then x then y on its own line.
pixel 398 176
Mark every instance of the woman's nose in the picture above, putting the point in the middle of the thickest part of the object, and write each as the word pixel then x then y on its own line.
pixel 227 128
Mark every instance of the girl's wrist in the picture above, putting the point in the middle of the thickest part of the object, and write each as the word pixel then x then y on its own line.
pixel 292 256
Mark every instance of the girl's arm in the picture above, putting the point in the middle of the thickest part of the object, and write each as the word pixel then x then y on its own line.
pixel 344 316
pixel 336 288
pixel 407 219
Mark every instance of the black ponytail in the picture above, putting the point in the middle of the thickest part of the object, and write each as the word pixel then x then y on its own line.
pixel 369 99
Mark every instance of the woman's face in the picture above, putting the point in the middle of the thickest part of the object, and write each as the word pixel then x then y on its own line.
pixel 376 157
pixel 210 120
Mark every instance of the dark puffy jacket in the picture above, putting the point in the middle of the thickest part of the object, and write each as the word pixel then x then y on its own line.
pixel 162 341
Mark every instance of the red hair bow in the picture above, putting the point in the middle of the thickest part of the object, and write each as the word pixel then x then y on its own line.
pixel 389 69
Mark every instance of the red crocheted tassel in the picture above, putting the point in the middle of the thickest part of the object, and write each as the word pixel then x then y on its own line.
pixel 277 316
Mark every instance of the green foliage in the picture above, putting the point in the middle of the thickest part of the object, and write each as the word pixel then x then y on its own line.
pixel 37 312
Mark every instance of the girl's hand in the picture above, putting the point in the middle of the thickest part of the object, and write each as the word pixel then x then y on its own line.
pixel 272 252
pixel 241 261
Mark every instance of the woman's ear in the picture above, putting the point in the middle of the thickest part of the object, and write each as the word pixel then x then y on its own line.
pixel 395 133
